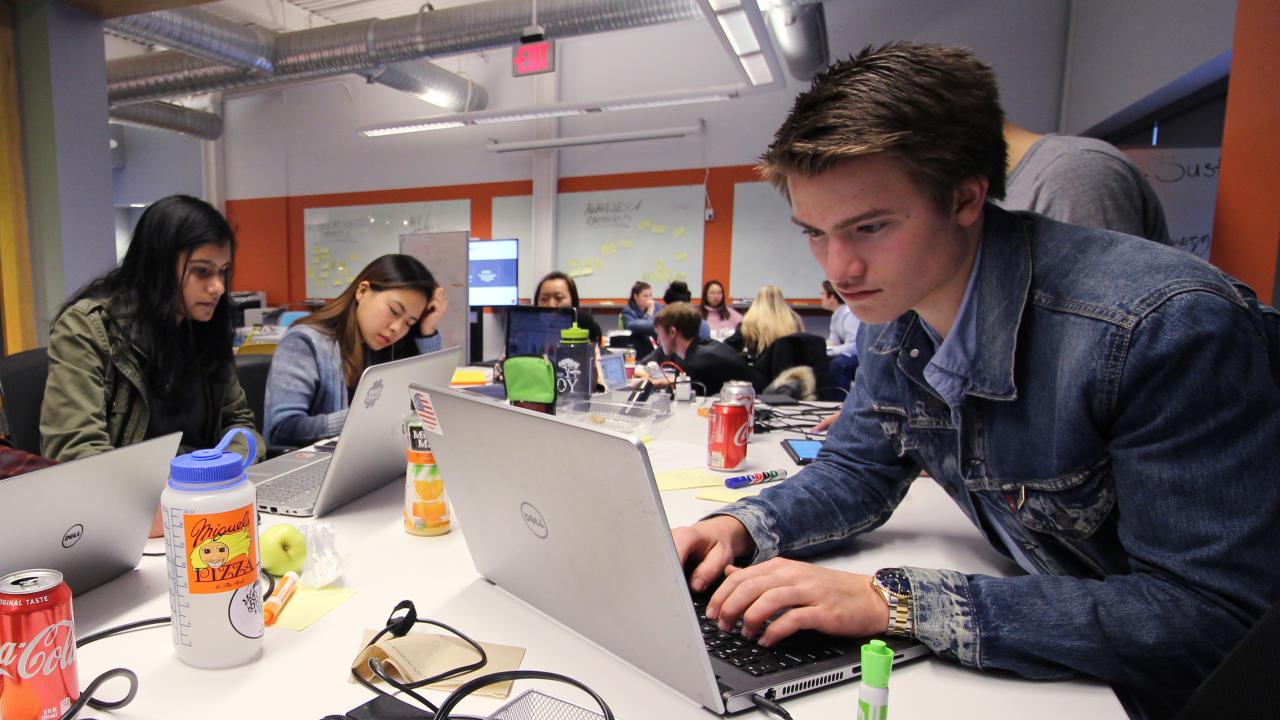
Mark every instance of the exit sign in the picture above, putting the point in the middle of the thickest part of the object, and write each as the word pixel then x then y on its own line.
pixel 533 58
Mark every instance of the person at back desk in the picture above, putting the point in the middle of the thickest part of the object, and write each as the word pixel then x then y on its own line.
pixel 559 290
pixel 1105 410
pixel 708 363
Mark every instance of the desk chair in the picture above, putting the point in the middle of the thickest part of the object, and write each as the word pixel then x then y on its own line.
pixel 252 372
pixel 22 380
pixel 795 350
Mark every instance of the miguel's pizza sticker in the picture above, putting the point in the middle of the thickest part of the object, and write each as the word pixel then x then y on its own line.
pixel 220 550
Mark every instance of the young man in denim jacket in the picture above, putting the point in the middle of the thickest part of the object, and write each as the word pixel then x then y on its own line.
pixel 1105 410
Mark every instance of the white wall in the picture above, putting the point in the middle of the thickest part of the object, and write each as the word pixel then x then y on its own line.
pixel 157 163
pixel 302 140
pixel 1129 58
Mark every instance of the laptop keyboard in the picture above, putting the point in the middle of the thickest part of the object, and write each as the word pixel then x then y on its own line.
pixel 297 488
pixel 801 649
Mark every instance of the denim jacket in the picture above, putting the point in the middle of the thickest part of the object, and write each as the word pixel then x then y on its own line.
pixel 1121 423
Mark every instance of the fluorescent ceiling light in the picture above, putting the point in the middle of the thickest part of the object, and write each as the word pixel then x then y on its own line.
pixel 541 112
pixel 738 28
pixel 742 31
pixel 601 139
pixel 757 68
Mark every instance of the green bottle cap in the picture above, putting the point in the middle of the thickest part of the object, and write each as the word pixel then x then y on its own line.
pixel 574 335
pixel 877 659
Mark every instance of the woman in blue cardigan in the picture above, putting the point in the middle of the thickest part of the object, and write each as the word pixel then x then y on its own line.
pixel 388 312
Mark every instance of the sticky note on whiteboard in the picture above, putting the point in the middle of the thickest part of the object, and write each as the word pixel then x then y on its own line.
pixel 659 229
pixel 679 232
pixel 643 224
pixel 626 243
pixel 682 256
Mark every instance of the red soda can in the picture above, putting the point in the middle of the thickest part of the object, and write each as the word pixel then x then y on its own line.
pixel 727 435
pixel 37 646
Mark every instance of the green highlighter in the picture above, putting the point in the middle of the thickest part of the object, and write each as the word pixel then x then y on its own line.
pixel 873 694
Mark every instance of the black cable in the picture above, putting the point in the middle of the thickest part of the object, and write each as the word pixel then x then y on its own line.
pixel 136 625
pixel 467 688
pixel 146 554
pixel 770 706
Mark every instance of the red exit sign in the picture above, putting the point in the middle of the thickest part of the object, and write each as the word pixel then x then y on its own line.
pixel 533 58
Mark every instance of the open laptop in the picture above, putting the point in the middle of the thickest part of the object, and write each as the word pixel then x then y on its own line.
pixel 613 371
pixel 573 525
pixel 87 518
pixel 369 451
pixel 536 330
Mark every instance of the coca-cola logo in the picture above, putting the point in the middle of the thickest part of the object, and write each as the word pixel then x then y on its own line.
pixel 740 437
pixel 72 535
pixel 54 647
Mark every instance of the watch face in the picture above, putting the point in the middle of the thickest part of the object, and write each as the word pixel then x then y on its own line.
pixel 895 581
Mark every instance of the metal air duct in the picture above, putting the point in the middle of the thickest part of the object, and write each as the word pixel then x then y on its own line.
pixel 431 83
pixel 203 35
pixel 800 30
pixel 359 46
pixel 167 116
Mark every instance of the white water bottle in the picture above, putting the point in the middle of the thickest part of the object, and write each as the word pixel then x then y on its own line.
pixel 211 548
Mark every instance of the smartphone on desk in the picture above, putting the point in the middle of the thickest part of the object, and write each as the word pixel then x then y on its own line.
pixel 802 451
pixel 326 445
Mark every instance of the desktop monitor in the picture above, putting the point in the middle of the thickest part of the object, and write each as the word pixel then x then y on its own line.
pixel 492 269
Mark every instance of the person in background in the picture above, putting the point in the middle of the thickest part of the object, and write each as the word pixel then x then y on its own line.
pixel 708 363
pixel 1080 181
pixel 13 461
pixel 678 291
pixel 389 311
pixel 768 319
pixel 145 350
pixel 1062 384
pixel 559 290
pixel 842 339
pixel 637 316
pixel 721 319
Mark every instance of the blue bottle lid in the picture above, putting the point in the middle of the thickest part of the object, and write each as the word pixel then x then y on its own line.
pixel 212 468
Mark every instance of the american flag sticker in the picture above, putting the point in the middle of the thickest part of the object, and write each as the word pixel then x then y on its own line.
pixel 426 413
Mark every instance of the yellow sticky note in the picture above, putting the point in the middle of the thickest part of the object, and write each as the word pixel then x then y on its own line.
pixel 322 251
pixel 688 478
pixel 574 261
pixel 586 271
pixel 598 263
pixel 679 232
pixel 325 273
pixel 326 265
pixel 642 224
pixel 725 495
pixel 310 604
pixel 608 249
pixel 682 256
pixel 626 243
pixel 659 228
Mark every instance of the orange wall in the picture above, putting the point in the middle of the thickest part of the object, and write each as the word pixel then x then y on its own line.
pixel 1246 223
pixel 271 253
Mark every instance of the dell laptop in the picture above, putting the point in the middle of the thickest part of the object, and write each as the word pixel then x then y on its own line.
pixel 550 528
pixel 370 449
pixel 87 518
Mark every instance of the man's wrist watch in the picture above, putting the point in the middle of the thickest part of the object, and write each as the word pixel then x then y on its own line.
pixel 895 587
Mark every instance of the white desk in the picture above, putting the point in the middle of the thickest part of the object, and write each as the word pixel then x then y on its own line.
pixel 307 672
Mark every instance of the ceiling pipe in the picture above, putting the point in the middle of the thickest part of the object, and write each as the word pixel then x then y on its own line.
pixel 800 31
pixel 167 116
pixel 366 44
pixel 203 35
pixel 432 84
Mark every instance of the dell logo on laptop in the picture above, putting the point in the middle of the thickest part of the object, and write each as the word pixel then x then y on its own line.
pixel 533 519
pixel 72 535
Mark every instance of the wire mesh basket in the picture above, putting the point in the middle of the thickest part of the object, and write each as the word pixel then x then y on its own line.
pixel 533 705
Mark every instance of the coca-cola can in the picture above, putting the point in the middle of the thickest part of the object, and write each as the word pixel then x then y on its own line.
pixel 37 645
pixel 743 392
pixel 727 435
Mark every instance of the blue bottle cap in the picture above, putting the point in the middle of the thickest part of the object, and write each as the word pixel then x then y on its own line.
pixel 213 467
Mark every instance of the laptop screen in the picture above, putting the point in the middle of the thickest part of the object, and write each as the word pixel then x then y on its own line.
pixel 613 367
pixel 536 330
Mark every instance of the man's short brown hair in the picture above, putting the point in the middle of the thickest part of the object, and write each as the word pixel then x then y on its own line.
pixel 937 109
pixel 682 316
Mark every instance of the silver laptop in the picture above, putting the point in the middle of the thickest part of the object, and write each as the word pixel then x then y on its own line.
pixel 368 453
pixel 552 523
pixel 613 371
pixel 88 518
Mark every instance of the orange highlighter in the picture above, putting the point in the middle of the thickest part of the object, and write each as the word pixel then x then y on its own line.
pixel 284 591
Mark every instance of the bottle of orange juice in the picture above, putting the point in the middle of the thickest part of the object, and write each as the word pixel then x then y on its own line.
pixel 426 508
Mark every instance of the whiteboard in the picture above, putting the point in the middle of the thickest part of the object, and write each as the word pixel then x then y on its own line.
pixel 769 249
pixel 445 255
pixel 340 241
pixel 513 218
pixel 1186 181
pixel 609 239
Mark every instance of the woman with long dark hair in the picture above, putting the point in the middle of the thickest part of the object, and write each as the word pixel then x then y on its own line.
pixel 716 311
pixel 145 350
pixel 559 290
pixel 640 310
pixel 388 312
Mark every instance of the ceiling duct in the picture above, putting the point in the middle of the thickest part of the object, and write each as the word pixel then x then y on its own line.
pixel 431 83
pixel 365 44
pixel 167 116
pixel 203 35
pixel 800 32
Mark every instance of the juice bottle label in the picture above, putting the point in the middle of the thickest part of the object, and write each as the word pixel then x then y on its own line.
pixel 220 550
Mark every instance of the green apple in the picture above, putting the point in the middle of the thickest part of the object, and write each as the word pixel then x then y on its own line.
pixel 283 549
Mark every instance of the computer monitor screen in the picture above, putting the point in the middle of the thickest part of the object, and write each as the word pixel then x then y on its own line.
pixel 536 330
pixel 492 272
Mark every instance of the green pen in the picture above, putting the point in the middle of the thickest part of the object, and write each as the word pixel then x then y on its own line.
pixel 873 694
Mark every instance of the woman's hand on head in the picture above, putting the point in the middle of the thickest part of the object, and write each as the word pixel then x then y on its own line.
pixel 436 307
